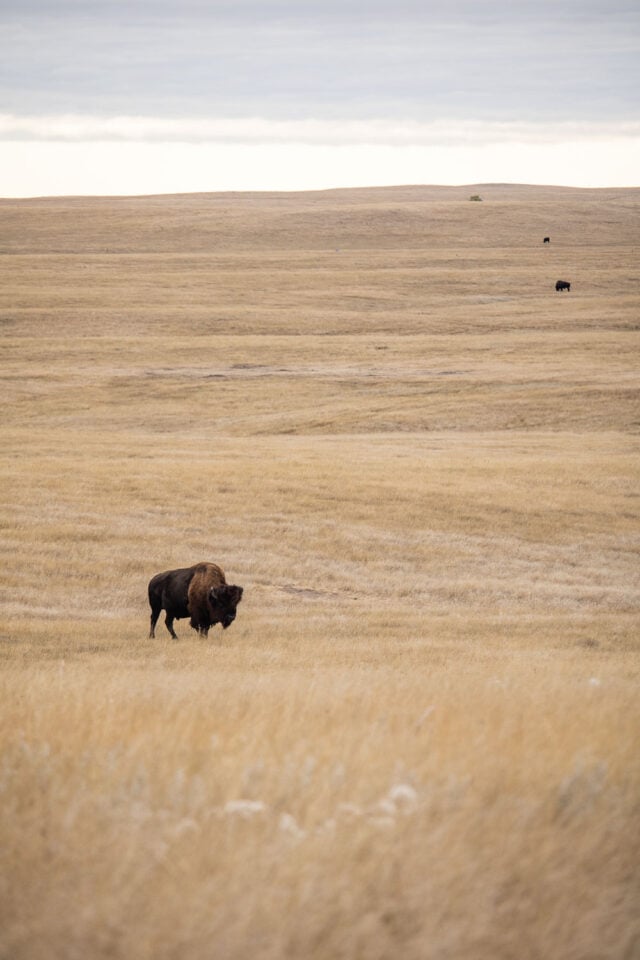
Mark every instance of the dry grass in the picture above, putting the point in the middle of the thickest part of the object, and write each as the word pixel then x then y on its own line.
pixel 419 739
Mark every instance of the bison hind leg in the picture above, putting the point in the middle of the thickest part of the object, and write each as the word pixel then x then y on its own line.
pixel 155 613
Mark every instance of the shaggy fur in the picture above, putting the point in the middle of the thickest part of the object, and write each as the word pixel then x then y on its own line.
pixel 170 591
pixel 211 599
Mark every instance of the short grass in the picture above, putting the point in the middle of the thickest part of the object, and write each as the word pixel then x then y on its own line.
pixel 419 738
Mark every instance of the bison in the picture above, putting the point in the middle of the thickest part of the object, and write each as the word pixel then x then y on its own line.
pixel 214 600
pixel 547 240
pixel 563 285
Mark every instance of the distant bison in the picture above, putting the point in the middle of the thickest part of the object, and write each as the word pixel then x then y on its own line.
pixel 547 240
pixel 216 603
pixel 563 285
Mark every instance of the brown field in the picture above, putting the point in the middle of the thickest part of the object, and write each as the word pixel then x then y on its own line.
pixel 420 739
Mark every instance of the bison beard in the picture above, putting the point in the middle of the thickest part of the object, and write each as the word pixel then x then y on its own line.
pixel 214 600
pixel 211 599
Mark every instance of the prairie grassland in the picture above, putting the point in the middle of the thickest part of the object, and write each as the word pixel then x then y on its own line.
pixel 419 739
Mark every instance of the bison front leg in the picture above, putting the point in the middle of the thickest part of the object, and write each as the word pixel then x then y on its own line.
pixel 169 624
pixel 201 630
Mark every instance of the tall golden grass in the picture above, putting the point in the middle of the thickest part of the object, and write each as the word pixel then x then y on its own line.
pixel 420 737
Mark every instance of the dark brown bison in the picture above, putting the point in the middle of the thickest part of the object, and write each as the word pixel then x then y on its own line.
pixel 547 240
pixel 211 599
pixel 563 285
pixel 170 591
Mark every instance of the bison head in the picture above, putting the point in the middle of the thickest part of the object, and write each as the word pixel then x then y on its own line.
pixel 223 601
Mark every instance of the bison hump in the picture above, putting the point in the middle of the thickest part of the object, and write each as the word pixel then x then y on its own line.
pixel 209 571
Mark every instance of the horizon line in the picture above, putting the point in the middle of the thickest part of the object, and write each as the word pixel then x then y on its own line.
pixel 187 194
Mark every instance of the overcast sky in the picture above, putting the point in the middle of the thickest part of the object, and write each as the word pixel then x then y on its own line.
pixel 131 96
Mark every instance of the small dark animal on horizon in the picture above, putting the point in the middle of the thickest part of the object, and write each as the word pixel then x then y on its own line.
pixel 547 240
pixel 563 285
pixel 214 600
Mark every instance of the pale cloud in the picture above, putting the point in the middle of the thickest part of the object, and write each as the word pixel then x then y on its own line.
pixel 259 130
pixel 294 59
